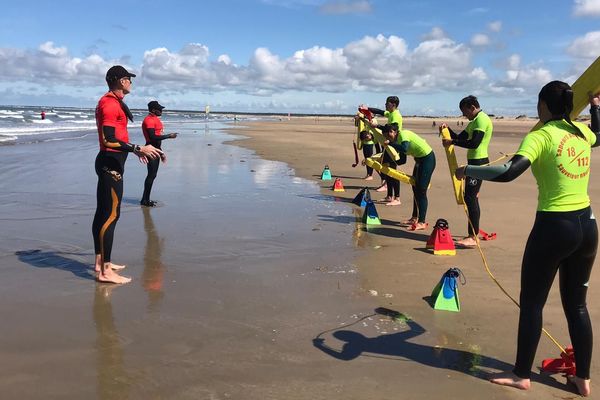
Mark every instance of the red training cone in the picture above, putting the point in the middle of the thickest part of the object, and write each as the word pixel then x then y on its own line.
pixel 441 239
pixel 338 186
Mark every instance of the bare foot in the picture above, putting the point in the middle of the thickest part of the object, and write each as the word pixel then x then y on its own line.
pixel 109 276
pixel 114 267
pixel 469 241
pixel 583 385
pixel 369 178
pixel 381 188
pixel 409 221
pixel 509 379
pixel 386 199
pixel 419 226
pixel 394 202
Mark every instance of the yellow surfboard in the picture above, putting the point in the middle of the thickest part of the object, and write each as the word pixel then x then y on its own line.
pixel 384 169
pixel 453 165
pixel 588 82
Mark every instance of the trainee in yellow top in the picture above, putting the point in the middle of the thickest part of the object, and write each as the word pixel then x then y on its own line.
pixel 560 163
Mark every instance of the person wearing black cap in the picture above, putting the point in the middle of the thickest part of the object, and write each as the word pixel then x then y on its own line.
pixel 153 129
pixel 111 119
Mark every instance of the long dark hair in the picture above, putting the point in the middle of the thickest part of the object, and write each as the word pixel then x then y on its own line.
pixel 558 96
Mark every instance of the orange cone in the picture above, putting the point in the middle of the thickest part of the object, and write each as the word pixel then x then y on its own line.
pixel 440 240
pixel 338 186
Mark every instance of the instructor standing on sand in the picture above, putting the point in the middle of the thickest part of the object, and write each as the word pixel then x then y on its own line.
pixel 152 128
pixel 111 119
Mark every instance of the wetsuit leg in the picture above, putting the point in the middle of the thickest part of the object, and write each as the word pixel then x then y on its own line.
pixel 415 174
pixel 152 165
pixel 109 168
pixel 422 178
pixel 558 239
pixel 574 276
pixel 368 152
pixel 472 187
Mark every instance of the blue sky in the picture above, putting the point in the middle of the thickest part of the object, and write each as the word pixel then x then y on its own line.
pixel 310 56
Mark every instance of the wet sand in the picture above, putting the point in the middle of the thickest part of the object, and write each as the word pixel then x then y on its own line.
pixel 250 282
pixel 395 264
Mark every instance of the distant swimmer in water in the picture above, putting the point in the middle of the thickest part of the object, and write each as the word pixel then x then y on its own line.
pixel 152 128
pixel 564 236
pixel 111 119
pixel 43 115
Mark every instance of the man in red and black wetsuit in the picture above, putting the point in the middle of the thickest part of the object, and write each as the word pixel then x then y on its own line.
pixel 111 119
pixel 153 132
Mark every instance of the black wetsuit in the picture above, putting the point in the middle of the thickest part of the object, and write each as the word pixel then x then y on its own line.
pixel 563 241
pixel 472 185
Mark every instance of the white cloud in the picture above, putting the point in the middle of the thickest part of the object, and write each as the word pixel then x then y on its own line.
pixel 480 40
pixel 495 26
pixel 587 8
pixel 587 46
pixel 519 78
pixel 346 7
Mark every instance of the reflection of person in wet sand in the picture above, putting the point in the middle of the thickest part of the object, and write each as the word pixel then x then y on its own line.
pixel 109 354
pixel 397 345
pixel 152 277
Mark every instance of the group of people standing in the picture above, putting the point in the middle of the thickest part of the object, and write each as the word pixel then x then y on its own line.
pixel 475 137
pixel 564 237
pixel 112 116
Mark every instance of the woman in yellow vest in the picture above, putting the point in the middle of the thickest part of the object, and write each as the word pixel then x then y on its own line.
pixel 564 236
pixel 476 138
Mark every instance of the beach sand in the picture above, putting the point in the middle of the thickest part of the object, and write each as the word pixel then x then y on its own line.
pixel 251 282
pixel 396 265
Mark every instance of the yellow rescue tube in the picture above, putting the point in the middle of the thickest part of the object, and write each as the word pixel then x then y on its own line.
pixel 453 165
pixel 588 82
pixel 384 169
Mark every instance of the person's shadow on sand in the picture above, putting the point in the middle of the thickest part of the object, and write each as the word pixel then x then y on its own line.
pixel 397 346
pixel 55 259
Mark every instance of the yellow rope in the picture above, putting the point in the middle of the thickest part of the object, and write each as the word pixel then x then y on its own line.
pixel 486 265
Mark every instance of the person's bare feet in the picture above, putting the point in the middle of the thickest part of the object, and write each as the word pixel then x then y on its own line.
pixel 109 276
pixel 409 221
pixel 114 267
pixel 369 178
pixel 394 202
pixel 508 378
pixel 381 188
pixel 418 226
pixel 468 241
pixel 582 385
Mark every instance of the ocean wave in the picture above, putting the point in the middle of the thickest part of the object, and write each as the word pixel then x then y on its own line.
pixel 34 130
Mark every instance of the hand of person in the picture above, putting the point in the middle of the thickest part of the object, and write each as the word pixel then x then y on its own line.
pixel 173 135
pixel 143 159
pixel 163 158
pixel 150 151
pixel 594 99
pixel 447 142
pixel 386 142
pixel 460 172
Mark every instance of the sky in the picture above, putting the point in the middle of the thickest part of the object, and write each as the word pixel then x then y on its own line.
pixel 297 56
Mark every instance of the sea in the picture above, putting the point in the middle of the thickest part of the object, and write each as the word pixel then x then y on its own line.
pixel 24 124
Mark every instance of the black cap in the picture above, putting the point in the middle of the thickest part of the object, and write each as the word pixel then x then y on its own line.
pixel 154 105
pixel 117 72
